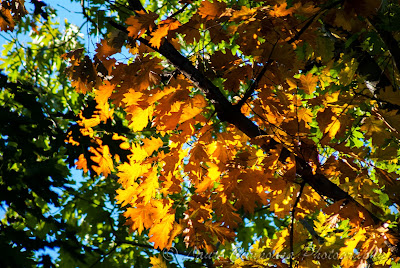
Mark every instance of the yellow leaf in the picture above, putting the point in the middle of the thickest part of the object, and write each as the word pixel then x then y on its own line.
pixel 88 123
pixel 347 251
pixel 132 97
pixel 282 239
pixel 209 180
pixel 158 262
pixel 128 195
pixel 333 127
pixel 129 172
pixel 149 186
pixel 176 230
pixel 139 117
pixel 309 83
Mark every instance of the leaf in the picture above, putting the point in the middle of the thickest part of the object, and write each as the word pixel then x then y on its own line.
pixel 103 159
pixel 105 49
pixel 211 10
pixel 351 244
pixel 104 93
pixel 139 117
pixel 149 186
pixel 390 96
pixel 138 25
pixel 309 83
pixel 222 233
pixel 151 145
pixel 141 217
pixel 128 195
pixel 82 163
pixel 160 232
pixel 162 31
pixel 281 10
pixel 158 262
pixel 196 106
pixel 6 20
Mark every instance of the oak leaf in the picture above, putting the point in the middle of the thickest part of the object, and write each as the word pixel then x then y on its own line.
pixel 103 159
pixel 160 232
pixel 149 186
pixel 105 49
pixel 138 25
pixel 162 31
pixel 211 10
pixel 281 10
pixel 309 83
pixel 82 163
pixel 141 217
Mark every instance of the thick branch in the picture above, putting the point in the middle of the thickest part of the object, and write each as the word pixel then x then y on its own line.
pixel 230 113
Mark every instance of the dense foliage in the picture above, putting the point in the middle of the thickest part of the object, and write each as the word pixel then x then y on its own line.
pixel 234 134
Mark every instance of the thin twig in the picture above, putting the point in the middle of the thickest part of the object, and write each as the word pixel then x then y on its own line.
pixel 311 20
pixel 292 223
pixel 254 85
pixel 179 11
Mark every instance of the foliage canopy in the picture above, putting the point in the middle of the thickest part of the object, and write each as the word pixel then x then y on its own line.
pixel 269 126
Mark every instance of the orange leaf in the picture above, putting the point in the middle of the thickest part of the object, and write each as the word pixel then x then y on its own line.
pixel 104 49
pixel 141 217
pixel 82 163
pixel 281 11
pixel 212 10
pixel 104 92
pixel 162 31
pixel 160 233
pixel 196 106
pixel 150 145
pixel 6 20
pixel 309 83
pixel 103 159
pixel 138 25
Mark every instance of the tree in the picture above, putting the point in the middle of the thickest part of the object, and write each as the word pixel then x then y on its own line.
pixel 50 219
pixel 269 126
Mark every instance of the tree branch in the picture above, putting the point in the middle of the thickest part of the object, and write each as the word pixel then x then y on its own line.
pixel 228 112
pixel 254 85
pixel 311 20
pixel 296 202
